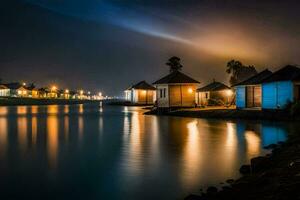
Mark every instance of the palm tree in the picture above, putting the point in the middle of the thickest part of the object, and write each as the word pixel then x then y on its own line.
pixel 239 72
pixel 174 64
pixel 233 67
pixel 31 86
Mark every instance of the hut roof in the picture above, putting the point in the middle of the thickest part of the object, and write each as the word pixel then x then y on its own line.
pixel 176 77
pixel 13 86
pixel 3 86
pixel 214 86
pixel 143 85
pixel 286 73
pixel 256 79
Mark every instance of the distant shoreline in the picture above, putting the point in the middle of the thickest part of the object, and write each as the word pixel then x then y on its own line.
pixel 11 101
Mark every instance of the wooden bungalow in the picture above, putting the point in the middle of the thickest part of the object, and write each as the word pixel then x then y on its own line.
pixel 249 92
pixel 47 93
pixel 4 91
pixel 34 93
pixel 141 93
pixel 65 94
pixel 52 93
pixel 282 87
pixel 215 93
pixel 42 92
pixel 176 90
pixel 17 90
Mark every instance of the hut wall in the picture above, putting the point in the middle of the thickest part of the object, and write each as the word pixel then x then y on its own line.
pixel 240 97
pixel 276 95
pixel 182 95
pixel 162 96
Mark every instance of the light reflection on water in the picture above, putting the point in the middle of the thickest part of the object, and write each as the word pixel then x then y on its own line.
pixel 3 136
pixel 119 153
pixel 52 139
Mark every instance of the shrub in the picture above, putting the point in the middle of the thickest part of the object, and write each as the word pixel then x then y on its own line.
pixel 295 109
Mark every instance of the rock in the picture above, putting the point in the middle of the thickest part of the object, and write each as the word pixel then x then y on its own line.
pixel 212 191
pixel 193 197
pixel 275 151
pixel 226 188
pixel 230 181
pixel 245 169
pixel 259 163
pixel 270 146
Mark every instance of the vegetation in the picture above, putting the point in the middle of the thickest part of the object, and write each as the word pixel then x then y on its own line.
pixel 293 108
pixel 239 72
pixel 174 64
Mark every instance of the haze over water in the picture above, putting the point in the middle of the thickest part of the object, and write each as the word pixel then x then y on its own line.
pixel 92 152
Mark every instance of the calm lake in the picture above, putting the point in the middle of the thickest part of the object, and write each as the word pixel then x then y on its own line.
pixel 92 152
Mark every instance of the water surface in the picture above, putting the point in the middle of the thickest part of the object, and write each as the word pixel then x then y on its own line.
pixel 92 152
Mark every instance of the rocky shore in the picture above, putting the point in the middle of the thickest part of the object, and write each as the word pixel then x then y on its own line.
pixel 275 176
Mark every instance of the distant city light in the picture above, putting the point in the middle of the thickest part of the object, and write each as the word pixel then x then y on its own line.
pixel 81 92
pixel 53 88
pixel 67 91
pixel 24 84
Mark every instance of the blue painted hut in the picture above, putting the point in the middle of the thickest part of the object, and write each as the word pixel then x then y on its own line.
pixel 282 87
pixel 249 92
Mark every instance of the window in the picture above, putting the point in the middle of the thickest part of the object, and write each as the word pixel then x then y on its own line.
pixel 206 95
pixel 162 93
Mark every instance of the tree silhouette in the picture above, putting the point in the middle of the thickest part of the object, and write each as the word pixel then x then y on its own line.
pixel 239 72
pixel 174 64
pixel 31 86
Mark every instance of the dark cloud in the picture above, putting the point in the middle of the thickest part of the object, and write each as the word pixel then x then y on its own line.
pixel 107 45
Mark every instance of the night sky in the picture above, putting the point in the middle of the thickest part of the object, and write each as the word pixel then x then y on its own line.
pixel 107 45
